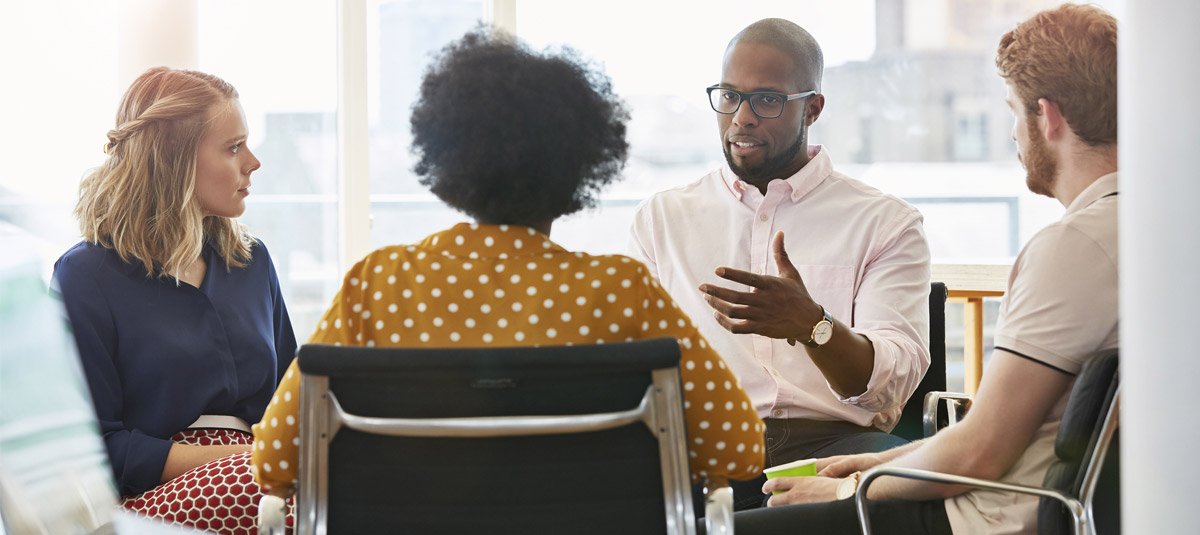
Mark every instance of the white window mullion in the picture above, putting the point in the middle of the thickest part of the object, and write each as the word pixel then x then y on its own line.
pixel 502 14
pixel 354 186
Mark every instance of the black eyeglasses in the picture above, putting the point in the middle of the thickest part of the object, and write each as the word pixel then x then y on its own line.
pixel 765 104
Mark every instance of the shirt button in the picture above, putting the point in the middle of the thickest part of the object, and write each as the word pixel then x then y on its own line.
pixel 777 413
pixel 763 217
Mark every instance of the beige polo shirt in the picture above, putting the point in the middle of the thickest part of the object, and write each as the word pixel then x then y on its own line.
pixel 1059 309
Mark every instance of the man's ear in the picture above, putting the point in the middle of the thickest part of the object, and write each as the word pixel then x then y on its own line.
pixel 1050 119
pixel 812 110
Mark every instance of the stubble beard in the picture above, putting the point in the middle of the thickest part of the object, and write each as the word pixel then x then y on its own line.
pixel 1040 165
pixel 771 168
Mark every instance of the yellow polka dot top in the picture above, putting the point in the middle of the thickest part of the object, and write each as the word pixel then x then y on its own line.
pixel 484 285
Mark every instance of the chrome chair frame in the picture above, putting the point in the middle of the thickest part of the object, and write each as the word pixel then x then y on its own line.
pixel 660 410
pixel 956 407
pixel 1081 507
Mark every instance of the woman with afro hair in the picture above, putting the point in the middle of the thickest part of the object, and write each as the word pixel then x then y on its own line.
pixel 516 139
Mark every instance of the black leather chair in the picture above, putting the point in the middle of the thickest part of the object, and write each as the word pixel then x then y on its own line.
pixel 1081 490
pixel 910 425
pixel 583 439
pixel 1082 440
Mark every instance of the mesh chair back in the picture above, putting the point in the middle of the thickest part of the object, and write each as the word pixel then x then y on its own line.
pixel 1078 436
pixel 589 482
pixel 910 424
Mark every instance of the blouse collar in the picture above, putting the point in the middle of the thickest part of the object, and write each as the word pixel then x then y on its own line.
pixel 473 240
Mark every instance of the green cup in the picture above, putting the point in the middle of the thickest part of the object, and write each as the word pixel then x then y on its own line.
pixel 803 467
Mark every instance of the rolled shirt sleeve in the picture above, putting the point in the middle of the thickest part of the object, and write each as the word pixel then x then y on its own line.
pixel 891 308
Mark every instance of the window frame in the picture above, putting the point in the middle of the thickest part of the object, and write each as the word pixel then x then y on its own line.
pixel 353 136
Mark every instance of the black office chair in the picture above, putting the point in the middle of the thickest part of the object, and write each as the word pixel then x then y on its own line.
pixel 1081 490
pixel 910 425
pixel 583 439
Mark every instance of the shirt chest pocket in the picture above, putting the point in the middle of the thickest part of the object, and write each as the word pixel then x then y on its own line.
pixel 831 287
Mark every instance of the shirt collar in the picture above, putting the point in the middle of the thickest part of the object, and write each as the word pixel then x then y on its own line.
pixel 1103 186
pixel 818 168
pixel 473 240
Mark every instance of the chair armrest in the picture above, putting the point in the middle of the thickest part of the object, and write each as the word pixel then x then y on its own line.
pixel 954 402
pixel 272 515
pixel 860 497
pixel 718 509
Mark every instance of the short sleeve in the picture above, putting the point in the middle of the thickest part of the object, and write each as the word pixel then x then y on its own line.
pixel 1053 311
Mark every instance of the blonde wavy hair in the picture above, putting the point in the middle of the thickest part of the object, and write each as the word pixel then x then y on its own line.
pixel 141 201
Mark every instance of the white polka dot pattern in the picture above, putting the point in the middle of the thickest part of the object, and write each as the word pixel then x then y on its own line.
pixel 489 291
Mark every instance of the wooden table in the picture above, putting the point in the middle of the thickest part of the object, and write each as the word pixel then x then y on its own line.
pixel 969 284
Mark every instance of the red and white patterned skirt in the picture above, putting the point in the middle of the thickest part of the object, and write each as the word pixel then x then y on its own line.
pixel 220 496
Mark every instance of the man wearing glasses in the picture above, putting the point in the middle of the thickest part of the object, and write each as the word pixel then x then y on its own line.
pixel 813 286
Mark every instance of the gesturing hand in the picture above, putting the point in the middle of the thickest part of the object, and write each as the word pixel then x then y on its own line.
pixel 776 307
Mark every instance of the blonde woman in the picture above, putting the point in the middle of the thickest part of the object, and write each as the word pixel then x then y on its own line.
pixel 177 310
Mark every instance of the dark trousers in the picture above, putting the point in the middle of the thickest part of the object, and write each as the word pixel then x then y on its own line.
pixel 795 439
pixel 890 517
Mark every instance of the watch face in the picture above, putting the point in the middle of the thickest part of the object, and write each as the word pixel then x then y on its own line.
pixel 822 332
pixel 847 488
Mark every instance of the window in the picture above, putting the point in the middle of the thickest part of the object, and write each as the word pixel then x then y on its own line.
pixel 914 108
pixel 286 76
pixel 60 103
pixel 405 34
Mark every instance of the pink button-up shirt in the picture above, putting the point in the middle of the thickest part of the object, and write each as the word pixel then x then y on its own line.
pixel 862 255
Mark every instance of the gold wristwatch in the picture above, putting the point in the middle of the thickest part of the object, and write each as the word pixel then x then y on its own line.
pixel 821 332
pixel 848 487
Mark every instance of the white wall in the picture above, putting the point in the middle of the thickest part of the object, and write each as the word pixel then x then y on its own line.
pixel 1159 123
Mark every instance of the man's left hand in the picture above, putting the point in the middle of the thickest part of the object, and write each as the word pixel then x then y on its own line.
pixel 776 307
pixel 802 489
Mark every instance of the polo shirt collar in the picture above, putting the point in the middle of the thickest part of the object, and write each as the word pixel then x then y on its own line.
pixel 1102 187
pixel 818 168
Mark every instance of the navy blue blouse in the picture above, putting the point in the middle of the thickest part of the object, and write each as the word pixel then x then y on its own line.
pixel 157 355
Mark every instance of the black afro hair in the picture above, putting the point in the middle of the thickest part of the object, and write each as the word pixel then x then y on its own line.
pixel 512 136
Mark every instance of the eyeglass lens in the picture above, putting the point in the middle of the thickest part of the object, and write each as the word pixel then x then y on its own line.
pixel 765 105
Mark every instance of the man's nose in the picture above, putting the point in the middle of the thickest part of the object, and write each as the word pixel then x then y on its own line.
pixel 744 115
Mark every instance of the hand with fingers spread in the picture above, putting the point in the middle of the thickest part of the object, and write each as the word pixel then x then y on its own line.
pixel 781 307
pixel 776 307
